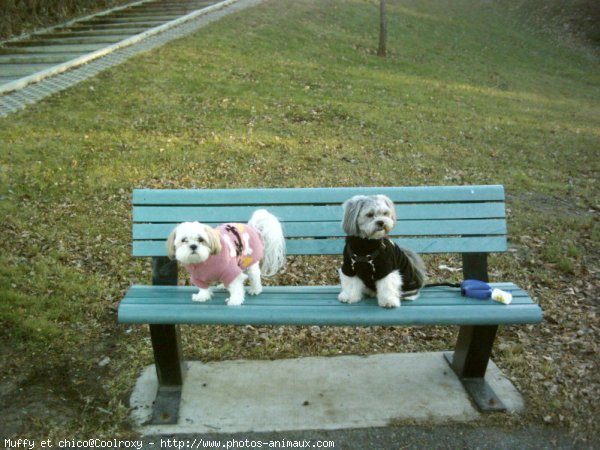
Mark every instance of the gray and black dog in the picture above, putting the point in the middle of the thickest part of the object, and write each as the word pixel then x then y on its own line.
pixel 373 264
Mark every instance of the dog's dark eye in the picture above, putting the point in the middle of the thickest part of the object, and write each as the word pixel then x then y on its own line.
pixel 200 239
pixel 370 215
pixel 184 240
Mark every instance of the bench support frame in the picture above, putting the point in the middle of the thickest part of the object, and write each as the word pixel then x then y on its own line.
pixel 474 346
pixel 469 360
pixel 168 357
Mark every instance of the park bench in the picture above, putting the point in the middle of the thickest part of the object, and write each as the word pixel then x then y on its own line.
pixel 470 220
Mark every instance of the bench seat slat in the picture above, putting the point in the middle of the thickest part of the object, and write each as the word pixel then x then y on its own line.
pixel 310 213
pixel 314 195
pixel 273 308
pixel 305 296
pixel 331 315
pixel 150 231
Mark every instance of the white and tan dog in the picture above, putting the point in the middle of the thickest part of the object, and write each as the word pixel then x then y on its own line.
pixel 229 254
pixel 373 264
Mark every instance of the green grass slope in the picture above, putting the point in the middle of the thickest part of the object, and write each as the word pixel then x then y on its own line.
pixel 291 93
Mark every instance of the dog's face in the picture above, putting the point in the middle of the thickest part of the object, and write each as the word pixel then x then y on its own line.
pixel 370 217
pixel 193 243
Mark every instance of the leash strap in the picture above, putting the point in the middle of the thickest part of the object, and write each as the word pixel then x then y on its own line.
pixel 239 247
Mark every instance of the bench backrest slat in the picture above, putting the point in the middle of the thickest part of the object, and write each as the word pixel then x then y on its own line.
pixel 274 196
pixel 445 219
pixel 315 213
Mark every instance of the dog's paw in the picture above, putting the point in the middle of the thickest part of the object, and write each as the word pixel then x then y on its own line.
pixel 254 290
pixel 235 300
pixel 344 297
pixel 389 302
pixel 202 296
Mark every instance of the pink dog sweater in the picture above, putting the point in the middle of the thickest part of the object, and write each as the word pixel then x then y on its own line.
pixel 241 246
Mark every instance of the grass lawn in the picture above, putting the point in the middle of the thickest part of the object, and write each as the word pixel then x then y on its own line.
pixel 291 93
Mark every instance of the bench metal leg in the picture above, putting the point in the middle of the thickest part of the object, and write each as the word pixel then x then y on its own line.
pixel 474 345
pixel 168 357
pixel 475 266
pixel 164 271
pixel 469 361
pixel 170 372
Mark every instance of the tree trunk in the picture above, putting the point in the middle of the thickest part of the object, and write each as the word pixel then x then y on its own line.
pixel 382 50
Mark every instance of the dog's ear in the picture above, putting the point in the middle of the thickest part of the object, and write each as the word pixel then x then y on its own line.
pixel 214 240
pixel 171 244
pixel 352 208
pixel 390 204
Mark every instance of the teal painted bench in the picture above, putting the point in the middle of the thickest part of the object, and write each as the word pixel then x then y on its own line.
pixel 469 220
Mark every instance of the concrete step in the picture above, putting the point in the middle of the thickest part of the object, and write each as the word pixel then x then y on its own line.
pixel 317 393
pixel 37 58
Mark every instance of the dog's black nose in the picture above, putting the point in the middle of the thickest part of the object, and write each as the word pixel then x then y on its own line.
pixel 380 223
pixel 193 247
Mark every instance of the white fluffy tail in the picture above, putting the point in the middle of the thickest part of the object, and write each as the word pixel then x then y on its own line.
pixel 273 241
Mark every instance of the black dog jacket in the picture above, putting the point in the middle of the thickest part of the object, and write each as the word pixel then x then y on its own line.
pixel 374 259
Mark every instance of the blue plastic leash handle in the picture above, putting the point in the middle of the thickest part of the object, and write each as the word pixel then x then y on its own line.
pixel 475 289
